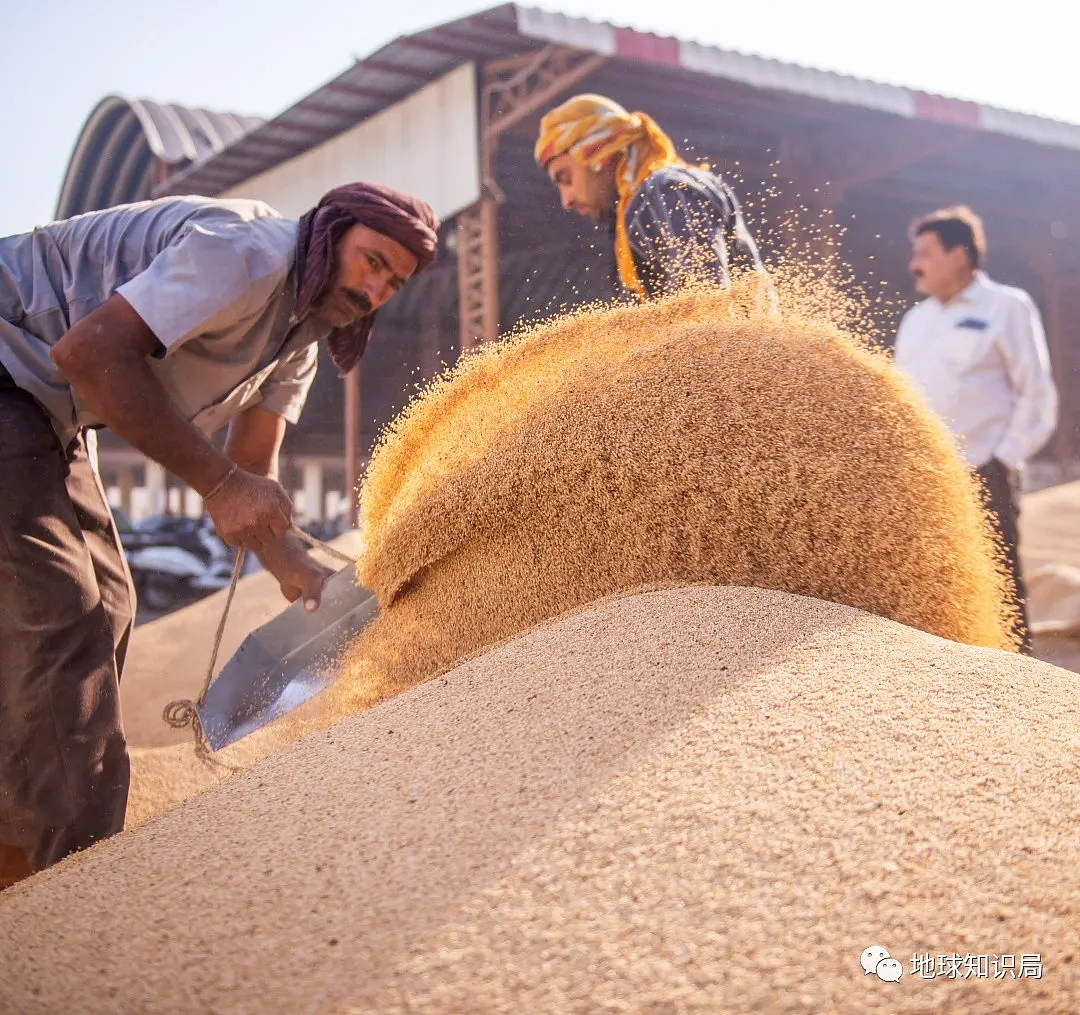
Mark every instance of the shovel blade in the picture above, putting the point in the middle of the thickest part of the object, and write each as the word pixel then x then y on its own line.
pixel 288 660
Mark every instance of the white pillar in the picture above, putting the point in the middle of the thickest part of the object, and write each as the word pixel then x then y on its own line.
pixel 155 488
pixel 193 505
pixel 127 487
pixel 313 490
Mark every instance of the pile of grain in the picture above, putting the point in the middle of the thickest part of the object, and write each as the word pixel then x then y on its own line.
pixel 1050 553
pixel 685 441
pixel 689 801
pixel 1049 525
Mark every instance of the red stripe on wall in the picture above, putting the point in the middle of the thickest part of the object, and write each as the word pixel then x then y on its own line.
pixel 954 111
pixel 650 48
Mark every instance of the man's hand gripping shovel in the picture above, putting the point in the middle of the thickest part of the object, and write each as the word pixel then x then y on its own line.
pixel 279 665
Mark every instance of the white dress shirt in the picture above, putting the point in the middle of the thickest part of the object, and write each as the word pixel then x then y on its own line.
pixel 981 362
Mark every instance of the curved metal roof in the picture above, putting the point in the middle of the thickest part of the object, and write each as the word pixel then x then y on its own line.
pixel 113 159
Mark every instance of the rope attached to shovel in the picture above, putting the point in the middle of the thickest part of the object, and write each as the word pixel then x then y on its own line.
pixel 180 714
pixel 318 544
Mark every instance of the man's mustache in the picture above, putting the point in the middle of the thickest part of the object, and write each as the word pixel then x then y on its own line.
pixel 362 300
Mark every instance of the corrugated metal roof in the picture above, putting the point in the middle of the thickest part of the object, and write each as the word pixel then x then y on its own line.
pixel 112 161
pixel 408 63
pixel 774 75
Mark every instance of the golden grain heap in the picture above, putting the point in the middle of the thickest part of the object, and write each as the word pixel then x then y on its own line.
pixel 691 799
pixel 694 440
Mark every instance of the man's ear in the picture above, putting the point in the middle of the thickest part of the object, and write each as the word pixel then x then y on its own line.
pixel 959 257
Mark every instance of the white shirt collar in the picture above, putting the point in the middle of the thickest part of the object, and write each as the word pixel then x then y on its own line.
pixel 970 292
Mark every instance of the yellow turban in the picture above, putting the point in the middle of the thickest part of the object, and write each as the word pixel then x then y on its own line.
pixel 593 129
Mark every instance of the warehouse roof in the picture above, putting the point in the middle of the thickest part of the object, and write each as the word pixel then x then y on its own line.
pixel 405 65
pixel 112 162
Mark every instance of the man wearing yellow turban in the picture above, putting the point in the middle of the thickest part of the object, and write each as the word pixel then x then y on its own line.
pixel 674 223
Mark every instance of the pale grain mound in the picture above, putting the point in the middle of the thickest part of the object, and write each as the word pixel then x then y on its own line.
pixel 1050 553
pixel 163 777
pixel 692 801
pixel 685 441
pixel 1049 527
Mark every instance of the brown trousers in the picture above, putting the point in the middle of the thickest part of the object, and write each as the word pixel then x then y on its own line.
pixel 66 610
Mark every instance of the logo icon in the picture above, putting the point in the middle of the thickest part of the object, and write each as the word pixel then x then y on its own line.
pixel 876 959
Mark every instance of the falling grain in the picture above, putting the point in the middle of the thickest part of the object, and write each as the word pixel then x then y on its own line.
pixel 691 441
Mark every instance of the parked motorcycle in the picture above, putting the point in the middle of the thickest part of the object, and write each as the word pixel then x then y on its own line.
pixel 176 560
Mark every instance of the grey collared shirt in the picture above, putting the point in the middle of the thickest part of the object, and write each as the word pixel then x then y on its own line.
pixel 213 280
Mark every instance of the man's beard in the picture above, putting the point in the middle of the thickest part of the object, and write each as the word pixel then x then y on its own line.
pixel 335 307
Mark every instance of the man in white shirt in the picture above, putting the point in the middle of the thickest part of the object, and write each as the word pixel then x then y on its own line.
pixel 977 351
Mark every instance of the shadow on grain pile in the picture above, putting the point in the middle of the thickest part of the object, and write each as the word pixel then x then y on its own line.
pixel 692 441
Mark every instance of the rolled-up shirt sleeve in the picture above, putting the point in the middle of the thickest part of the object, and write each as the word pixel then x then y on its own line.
pixel 285 391
pixel 206 281
pixel 1027 360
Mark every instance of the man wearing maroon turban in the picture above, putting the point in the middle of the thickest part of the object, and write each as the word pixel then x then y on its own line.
pixel 164 321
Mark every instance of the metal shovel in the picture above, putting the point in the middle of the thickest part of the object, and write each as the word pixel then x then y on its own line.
pixel 285 662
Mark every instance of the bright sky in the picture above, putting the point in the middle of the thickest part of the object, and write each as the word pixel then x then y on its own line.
pixel 61 56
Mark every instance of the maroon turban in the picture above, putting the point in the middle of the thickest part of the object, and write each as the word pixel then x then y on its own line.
pixel 400 217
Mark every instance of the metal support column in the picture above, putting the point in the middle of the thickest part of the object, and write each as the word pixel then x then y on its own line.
pixel 478 282
pixel 512 90
pixel 352 444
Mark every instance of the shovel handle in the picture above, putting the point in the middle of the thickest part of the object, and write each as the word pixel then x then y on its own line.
pixel 318 544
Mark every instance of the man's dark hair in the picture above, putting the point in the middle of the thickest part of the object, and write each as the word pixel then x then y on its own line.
pixel 955 227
